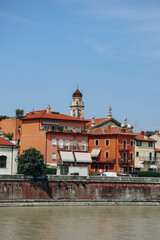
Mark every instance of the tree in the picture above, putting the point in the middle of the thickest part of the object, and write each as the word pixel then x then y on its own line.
pixel 19 113
pixel 31 162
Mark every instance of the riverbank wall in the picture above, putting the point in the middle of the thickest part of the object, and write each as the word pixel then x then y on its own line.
pixel 19 190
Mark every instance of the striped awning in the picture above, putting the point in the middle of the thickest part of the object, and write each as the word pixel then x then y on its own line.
pixel 67 156
pixel 95 152
pixel 82 157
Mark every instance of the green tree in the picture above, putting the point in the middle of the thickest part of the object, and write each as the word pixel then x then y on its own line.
pixel 31 162
pixel 19 113
pixel 8 135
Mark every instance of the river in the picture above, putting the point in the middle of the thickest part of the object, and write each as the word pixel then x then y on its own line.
pixel 77 223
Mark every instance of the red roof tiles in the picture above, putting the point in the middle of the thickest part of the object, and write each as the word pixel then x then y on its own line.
pixel 111 131
pixel 5 142
pixel 142 137
pixel 43 114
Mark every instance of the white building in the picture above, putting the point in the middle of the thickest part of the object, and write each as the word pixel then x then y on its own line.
pixel 145 154
pixel 8 157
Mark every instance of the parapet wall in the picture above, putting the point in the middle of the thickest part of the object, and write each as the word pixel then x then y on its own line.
pixel 54 189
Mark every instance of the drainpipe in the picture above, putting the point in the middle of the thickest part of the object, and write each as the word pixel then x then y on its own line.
pixel 12 161
pixel 46 149
pixel 116 154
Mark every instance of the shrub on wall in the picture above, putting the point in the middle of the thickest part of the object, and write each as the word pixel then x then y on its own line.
pixel 51 171
pixel 146 174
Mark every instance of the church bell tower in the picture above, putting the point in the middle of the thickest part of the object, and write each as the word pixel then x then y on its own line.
pixel 77 105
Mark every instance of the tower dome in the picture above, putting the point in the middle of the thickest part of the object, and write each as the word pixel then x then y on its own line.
pixel 76 94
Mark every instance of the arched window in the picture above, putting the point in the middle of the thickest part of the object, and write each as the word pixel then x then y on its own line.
pixel 74 113
pixel 79 113
pixel 3 161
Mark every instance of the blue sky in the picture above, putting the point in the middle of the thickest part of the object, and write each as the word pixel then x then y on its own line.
pixel 110 48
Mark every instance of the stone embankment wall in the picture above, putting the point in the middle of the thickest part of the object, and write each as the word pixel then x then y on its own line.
pixel 75 189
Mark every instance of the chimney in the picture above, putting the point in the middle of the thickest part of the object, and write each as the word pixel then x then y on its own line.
pixel 48 109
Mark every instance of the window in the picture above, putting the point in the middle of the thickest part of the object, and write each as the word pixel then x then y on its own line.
pixel 150 156
pixel 106 168
pixel 132 143
pixel 64 170
pixel 77 129
pixel 61 143
pixel 19 129
pixel 138 143
pixel 46 128
pixel 67 144
pixel 79 113
pixel 96 167
pixel 107 142
pixel 69 128
pixel 74 113
pixel 74 144
pixel 19 142
pixel 54 128
pixel 83 145
pixel 54 141
pixel 131 156
pixel 107 154
pixel 137 154
pixel 53 156
pixel 96 142
pixel 125 169
pixel 124 156
pixel 124 144
pixel 3 161
pixel 149 144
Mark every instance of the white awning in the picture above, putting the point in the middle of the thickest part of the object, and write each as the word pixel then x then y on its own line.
pixel 153 167
pixel 67 156
pixel 83 157
pixel 139 165
pixel 95 152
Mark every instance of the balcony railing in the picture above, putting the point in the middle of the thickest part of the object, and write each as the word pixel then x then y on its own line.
pixel 124 161
pixel 125 148
pixel 73 148
pixel 147 159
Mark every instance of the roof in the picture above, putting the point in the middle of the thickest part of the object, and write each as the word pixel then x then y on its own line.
pixel 77 93
pixel 44 115
pixel 144 138
pixel 4 142
pixel 96 121
pixel 111 131
pixel 157 149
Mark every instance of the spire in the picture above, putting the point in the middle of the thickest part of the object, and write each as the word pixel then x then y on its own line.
pixel 109 113
pixel 93 121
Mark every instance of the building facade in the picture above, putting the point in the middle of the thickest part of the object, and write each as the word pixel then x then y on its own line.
pixel 145 159
pixel 8 157
pixel 112 149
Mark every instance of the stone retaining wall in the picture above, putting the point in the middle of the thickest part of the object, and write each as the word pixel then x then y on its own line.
pixel 62 190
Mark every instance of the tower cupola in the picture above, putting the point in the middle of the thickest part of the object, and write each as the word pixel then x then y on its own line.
pixel 77 105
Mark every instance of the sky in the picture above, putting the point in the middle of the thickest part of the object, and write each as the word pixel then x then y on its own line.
pixel 109 48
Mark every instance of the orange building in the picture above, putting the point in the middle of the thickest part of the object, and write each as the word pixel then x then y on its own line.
pixel 112 149
pixel 12 125
pixel 49 132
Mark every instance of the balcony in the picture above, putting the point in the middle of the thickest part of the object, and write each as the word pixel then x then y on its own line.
pixel 124 161
pixel 147 159
pixel 73 148
pixel 124 149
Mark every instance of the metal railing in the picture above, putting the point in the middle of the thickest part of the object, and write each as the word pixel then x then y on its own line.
pixel 73 148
